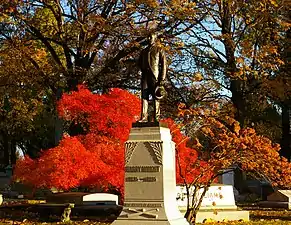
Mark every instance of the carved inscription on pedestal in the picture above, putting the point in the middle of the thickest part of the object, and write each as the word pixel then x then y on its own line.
pixel 142 169
pixel 140 179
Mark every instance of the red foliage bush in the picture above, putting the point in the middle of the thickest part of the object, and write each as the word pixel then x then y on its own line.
pixel 94 159
pixel 61 167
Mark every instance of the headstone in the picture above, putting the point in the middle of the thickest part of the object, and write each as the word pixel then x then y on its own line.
pixel 81 198
pixel 150 182
pixel 278 199
pixel 1 199
pixel 228 177
pixel 5 179
pixel 98 198
pixel 216 197
pixel 9 170
pixel 217 204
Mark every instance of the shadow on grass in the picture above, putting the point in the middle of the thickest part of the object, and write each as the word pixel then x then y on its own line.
pixel 40 214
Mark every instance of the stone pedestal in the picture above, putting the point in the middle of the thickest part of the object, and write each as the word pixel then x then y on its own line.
pixel 150 178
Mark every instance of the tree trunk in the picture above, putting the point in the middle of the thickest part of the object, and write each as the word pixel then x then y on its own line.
pixel 13 152
pixel 238 101
pixel 190 215
pixel 6 149
pixel 230 65
pixel 286 131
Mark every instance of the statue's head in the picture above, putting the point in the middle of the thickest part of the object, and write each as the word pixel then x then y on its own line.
pixel 152 38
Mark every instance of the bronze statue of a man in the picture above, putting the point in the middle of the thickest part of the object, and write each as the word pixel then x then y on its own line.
pixel 153 66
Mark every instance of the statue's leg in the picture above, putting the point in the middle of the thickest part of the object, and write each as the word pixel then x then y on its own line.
pixel 145 105
pixel 144 113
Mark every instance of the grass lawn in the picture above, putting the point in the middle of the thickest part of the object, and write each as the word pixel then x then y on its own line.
pixel 258 217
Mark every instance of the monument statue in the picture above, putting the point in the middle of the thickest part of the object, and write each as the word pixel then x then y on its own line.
pixel 150 177
pixel 153 66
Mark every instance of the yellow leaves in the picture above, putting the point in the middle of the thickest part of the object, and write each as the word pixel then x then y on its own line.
pixel 274 3
pixel 229 119
pixel 196 143
pixel 240 60
pixel 149 3
pixel 179 44
pixel 197 77
pixel 236 127
pixel 207 131
pixel 181 9
pixel 208 220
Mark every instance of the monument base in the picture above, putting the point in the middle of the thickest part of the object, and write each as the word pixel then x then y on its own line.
pixel 150 182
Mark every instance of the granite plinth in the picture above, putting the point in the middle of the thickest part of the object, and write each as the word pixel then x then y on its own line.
pixel 150 182
pixel 278 199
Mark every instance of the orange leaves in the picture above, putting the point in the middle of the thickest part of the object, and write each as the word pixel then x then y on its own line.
pixel 222 143
pixel 150 3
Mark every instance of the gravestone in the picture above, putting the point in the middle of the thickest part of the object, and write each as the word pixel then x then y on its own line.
pixel 150 182
pixel 5 177
pixel 278 199
pixel 216 197
pixel 217 204
pixel 227 177
pixel 81 198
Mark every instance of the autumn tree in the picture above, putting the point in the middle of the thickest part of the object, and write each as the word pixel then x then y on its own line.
pixel 222 143
pixel 93 41
pixel 87 41
pixel 286 103
pixel 22 95
pixel 236 49
pixel 278 88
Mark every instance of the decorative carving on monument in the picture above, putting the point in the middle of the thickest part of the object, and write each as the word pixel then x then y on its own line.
pixel 129 149
pixel 155 149
pixel 145 213
pixel 143 205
